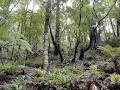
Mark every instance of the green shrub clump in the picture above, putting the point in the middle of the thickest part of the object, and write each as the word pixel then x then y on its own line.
pixel 114 42
pixel 110 51
pixel 37 62
pixel 10 87
pixel 115 78
pixel 9 67
pixel 59 77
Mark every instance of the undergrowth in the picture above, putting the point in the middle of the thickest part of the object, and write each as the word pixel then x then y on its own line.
pixel 59 77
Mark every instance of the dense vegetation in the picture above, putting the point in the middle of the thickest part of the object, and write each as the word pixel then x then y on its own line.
pixel 59 44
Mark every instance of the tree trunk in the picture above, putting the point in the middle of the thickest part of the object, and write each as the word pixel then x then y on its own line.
pixel 70 44
pixel 118 27
pixel 78 39
pixel 45 66
pixel 118 21
pixel 89 46
pixel 76 46
pixel 96 37
pixel 57 33
pixel 112 27
pixel 55 45
pixel 12 53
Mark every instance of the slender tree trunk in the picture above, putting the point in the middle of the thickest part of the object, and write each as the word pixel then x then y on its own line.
pixel 118 32
pixel 55 45
pixel 57 33
pixel 78 38
pixel 98 38
pixel 118 22
pixel 112 27
pixel 46 58
pixel 89 46
pixel 12 53
pixel 70 44
pixel 76 46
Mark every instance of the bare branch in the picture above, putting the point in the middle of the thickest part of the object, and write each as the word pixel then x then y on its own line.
pixel 106 14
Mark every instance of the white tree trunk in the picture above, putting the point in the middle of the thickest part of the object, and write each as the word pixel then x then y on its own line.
pixel 46 41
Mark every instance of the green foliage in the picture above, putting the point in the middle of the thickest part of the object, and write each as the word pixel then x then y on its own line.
pixel 59 77
pixel 110 51
pixel 17 40
pixel 37 62
pixel 94 70
pixel 114 42
pixel 9 67
pixel 115 78
pixel 10 87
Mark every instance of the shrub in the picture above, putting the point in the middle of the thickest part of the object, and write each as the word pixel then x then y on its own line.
pixel 115 78
pixel 10 87
pixel 110 51
pixel 9 67
pixel 114 42
pixel 59 77
pixel 34 63
pixel 94 70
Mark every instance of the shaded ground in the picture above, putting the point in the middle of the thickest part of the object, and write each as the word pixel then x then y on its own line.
pixel 105 66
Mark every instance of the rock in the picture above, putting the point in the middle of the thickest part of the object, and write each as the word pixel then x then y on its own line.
pixel 107 67
pixel 87 63
pixel 117 64
pixel 34 86
pixel 2 75
pixel 103 76
pixel 115 86
pixel 31 86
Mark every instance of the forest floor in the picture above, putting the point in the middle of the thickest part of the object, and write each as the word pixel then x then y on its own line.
pixel 97 70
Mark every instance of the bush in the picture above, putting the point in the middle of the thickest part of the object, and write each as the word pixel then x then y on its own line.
pixel 37 62
pixel 110 51
pixel 9 68
pixel 10 87
pixel 59 77
pixel 114 42
pixel 115 78
pixel 94 70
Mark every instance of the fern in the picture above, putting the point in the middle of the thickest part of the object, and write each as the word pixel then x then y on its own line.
pixel 18 41
pixel 115 78
pixel 110 51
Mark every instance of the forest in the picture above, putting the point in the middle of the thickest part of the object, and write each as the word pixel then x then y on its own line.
pixel 59 44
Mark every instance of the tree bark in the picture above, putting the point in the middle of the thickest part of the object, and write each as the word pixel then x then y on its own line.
pixel 48 5
pixel 89 46
pixel 76 46
pixel 78 39
pixel 112 27
pixel 118 22
pixel 118 27
pixel 57 33
pixel 55 45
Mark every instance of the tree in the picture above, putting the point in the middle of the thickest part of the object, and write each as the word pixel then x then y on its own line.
pixel 47 18
pixel 57 32
pixel 92 31
pixel 118 21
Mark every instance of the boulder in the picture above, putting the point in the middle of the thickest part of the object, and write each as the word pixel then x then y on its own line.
pixel 107 67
